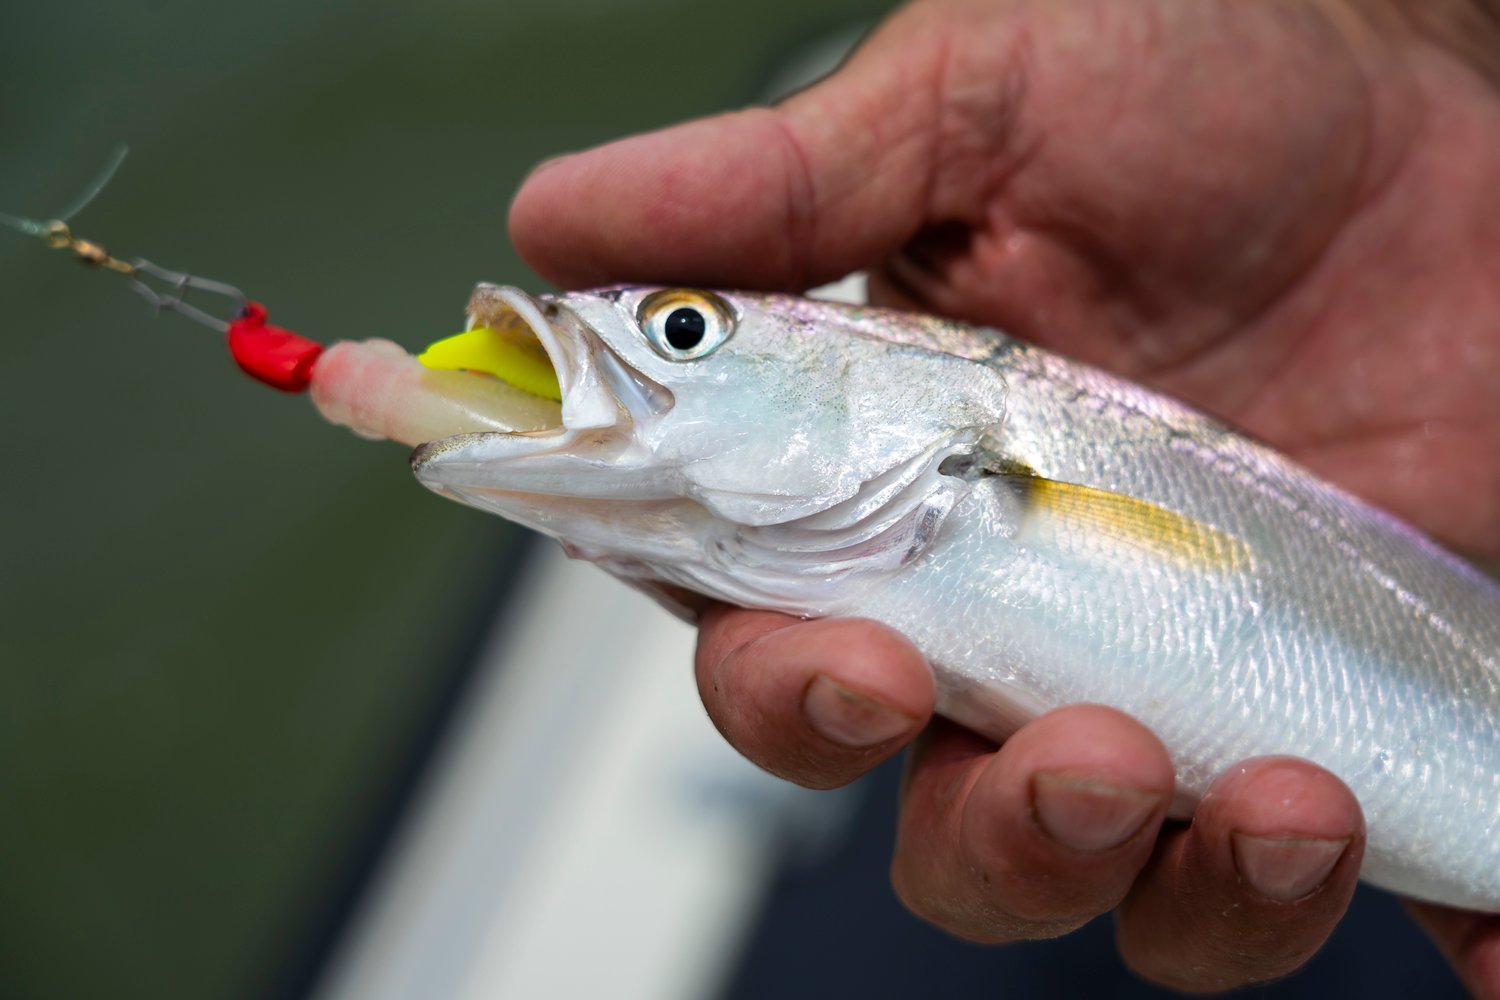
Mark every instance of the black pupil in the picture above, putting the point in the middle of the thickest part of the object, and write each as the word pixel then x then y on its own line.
pixel 685 328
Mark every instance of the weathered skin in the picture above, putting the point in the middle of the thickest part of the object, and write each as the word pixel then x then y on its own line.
pixel 829 460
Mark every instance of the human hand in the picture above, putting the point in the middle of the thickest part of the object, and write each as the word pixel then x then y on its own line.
pixel 1281 212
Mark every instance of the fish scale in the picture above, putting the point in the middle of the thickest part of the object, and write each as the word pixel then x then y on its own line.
pixel 1283 673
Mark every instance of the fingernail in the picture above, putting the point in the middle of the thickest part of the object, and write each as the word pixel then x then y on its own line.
pixel 1286 868
pixel 851 719
pixel 1089 815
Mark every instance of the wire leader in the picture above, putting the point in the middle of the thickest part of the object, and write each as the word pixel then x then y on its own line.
pixel 270 354
pixel 174 286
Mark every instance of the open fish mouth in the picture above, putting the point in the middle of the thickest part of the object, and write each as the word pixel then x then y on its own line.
pixel 525 369
pixel 541 347
pixel 504 381
pixel 536 346
pixel 530 379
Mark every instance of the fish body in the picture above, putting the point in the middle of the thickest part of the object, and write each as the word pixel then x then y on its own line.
pixel 1046 533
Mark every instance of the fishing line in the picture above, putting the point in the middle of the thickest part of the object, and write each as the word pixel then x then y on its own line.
pixel 275 356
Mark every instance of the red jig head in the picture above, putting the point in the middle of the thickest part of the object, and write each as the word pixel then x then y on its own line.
pixel 280 358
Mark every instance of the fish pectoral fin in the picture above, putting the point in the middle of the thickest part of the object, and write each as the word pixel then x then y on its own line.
pixel 1089 513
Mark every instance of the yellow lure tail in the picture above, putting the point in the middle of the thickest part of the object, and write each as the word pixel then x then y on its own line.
pixel 515 359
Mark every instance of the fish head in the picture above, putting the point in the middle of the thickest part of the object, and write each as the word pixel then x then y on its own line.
pixel 739 445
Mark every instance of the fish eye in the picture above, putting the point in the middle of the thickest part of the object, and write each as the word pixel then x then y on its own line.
pixel 683 324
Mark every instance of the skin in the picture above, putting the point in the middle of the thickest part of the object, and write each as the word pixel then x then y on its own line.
pixel 1284 212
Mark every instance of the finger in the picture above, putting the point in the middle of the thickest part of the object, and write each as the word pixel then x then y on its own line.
pixel 786 197
pixel 1254 886
pixel 1036 838
pixel 1470 941
pixel 816 702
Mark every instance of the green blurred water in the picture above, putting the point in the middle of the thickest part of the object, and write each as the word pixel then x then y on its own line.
pixel 223 619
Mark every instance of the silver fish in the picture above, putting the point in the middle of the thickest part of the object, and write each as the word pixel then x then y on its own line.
pixel 1046 533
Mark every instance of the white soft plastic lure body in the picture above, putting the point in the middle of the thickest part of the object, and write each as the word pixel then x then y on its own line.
pixel 1046 534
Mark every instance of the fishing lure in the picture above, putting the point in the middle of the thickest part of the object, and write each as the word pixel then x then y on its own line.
pixel 285 360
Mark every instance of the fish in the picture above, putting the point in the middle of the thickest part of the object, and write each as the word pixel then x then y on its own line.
pixel 1045 532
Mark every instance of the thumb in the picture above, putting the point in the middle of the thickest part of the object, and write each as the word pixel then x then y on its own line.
pixel 788 197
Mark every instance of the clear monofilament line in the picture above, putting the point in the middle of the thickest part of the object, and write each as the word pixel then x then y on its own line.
pixel 44 230
pixel 98 184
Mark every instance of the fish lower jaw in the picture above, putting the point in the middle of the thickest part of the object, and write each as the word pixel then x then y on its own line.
pixel 490 453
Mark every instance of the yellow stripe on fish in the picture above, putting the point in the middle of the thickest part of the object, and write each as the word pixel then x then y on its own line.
pixel 1101 513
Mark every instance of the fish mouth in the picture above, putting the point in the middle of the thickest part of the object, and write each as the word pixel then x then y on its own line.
pixel 566 344
pixel 602 398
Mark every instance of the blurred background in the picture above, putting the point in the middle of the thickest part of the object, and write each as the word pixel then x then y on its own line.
pixel 232 632
pixel 275 722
